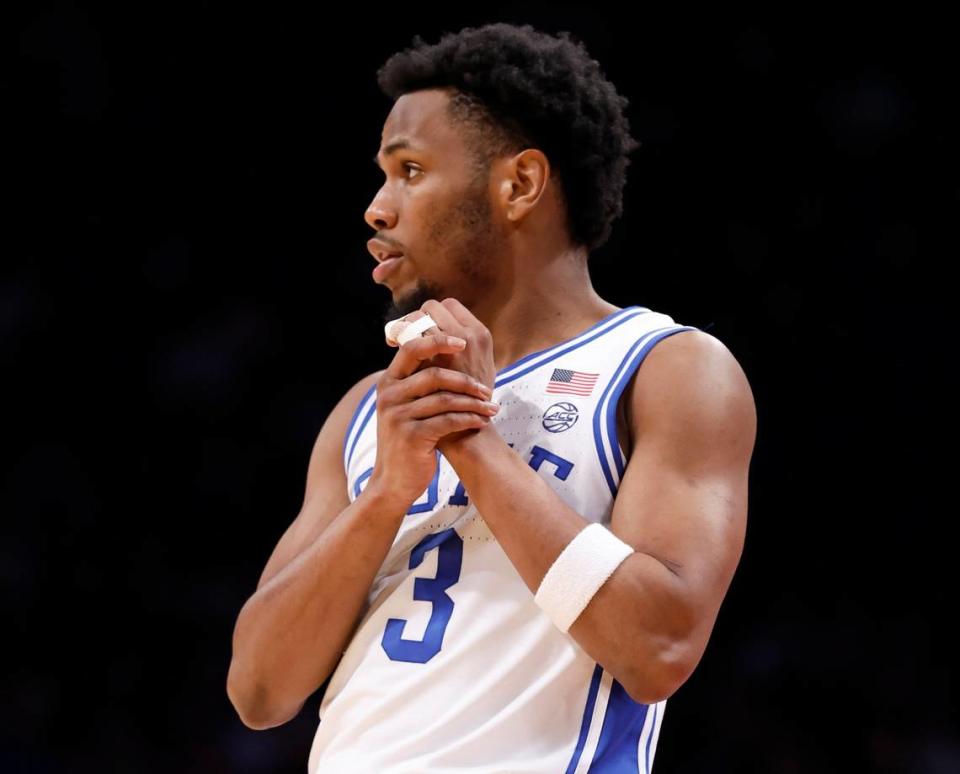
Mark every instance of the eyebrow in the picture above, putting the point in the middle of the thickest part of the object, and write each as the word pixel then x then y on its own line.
pixel 401 144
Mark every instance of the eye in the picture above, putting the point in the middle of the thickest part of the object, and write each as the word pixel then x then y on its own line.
pixel 406 165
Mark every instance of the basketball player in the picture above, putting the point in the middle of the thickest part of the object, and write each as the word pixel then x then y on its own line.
pixel 516 538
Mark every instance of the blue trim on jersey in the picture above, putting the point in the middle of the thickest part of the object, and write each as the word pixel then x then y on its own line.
pixel 620 316
pixel 360 479
pixel 598 412
pixel 597 324
pixel 653 730
pixel 353 420
pixel 587 716
pixel 624 317
pixel 618 391
pixel 618 749
pixel 363 424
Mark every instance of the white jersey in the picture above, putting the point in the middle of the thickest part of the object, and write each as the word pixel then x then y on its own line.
pixel 453 665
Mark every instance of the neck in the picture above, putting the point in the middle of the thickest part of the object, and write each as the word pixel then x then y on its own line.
pixel 538 309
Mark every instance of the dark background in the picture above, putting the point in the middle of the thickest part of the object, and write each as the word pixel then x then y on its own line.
pixel 184 230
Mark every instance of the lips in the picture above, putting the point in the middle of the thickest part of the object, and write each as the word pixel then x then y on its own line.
pixel 385 266
pixel 381 250
pixel 387 258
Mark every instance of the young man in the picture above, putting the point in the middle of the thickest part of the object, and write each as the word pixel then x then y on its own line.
pixel 516 586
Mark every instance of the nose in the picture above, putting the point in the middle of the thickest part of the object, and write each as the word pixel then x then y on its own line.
pixel 379 215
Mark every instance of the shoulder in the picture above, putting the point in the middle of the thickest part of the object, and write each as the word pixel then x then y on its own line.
pixel 325 481
pixel 691 388
pixel 344 412
pixel 352 397
pixel 693 353
pixel 328 448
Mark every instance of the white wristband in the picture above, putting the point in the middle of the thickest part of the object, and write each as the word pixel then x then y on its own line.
pixel 579 572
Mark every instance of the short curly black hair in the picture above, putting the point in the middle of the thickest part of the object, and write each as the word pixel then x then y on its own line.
pixel 514 87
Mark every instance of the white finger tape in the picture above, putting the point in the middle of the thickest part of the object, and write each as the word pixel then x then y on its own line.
pixel 391 328
pixel 414 329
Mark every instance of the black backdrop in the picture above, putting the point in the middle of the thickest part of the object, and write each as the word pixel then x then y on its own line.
pixel 188 186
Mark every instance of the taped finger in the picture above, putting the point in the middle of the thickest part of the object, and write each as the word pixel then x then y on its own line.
pixel 392 329
pixel 401 331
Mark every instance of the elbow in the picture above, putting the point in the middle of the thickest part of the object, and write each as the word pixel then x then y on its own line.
pixel 659 681
pixel 253 704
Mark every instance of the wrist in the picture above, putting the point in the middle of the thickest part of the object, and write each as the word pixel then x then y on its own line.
pixel 473 445
pixel 382 498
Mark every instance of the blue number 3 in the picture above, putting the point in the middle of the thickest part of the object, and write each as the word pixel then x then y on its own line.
pixel 449 562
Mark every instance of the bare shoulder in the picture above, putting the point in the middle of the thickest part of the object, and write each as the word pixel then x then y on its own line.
pixel 328 448
pixel 325 495
pixel 691 387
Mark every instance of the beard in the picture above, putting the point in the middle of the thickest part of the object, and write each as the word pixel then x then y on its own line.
pixel 472 251
pixel 412 301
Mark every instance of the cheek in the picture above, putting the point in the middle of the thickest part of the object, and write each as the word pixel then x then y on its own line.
pixel 440 222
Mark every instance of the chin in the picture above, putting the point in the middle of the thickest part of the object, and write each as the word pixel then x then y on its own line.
pixel 402 303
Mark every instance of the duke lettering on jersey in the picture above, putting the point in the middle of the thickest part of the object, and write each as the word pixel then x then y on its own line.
pixel 459 497
pixel 453 665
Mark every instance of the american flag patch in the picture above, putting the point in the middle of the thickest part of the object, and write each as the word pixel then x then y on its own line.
pixel 571 382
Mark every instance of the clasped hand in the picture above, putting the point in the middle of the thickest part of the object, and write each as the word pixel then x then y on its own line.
pixel 435 392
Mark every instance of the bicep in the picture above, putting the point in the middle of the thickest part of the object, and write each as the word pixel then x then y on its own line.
pixel 325 495
pixel 683 495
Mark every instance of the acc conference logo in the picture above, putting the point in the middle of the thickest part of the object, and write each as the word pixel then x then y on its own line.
pixel 560 417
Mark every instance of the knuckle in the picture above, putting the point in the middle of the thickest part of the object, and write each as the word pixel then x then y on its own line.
pixel 393 408
pixel 455 418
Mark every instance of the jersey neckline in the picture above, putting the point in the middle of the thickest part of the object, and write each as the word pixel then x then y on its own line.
pixel 559 344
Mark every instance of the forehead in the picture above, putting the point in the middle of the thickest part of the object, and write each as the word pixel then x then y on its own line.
pixel 420 119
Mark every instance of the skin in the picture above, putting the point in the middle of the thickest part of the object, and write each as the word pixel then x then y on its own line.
pixel 485 259
pixel 681 504
pixel 498 246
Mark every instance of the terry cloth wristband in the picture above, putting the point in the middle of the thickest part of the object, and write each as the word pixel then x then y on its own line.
pixel 579 572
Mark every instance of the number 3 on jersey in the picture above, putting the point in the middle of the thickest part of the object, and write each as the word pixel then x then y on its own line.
pixel 434 590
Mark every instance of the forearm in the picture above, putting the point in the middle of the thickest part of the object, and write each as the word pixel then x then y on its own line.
pixel 291 632
pixel 634 621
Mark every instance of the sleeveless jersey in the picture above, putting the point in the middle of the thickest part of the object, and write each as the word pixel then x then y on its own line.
pixel 453 665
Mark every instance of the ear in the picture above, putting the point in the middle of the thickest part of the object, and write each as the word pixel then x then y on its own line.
pixel 523 184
